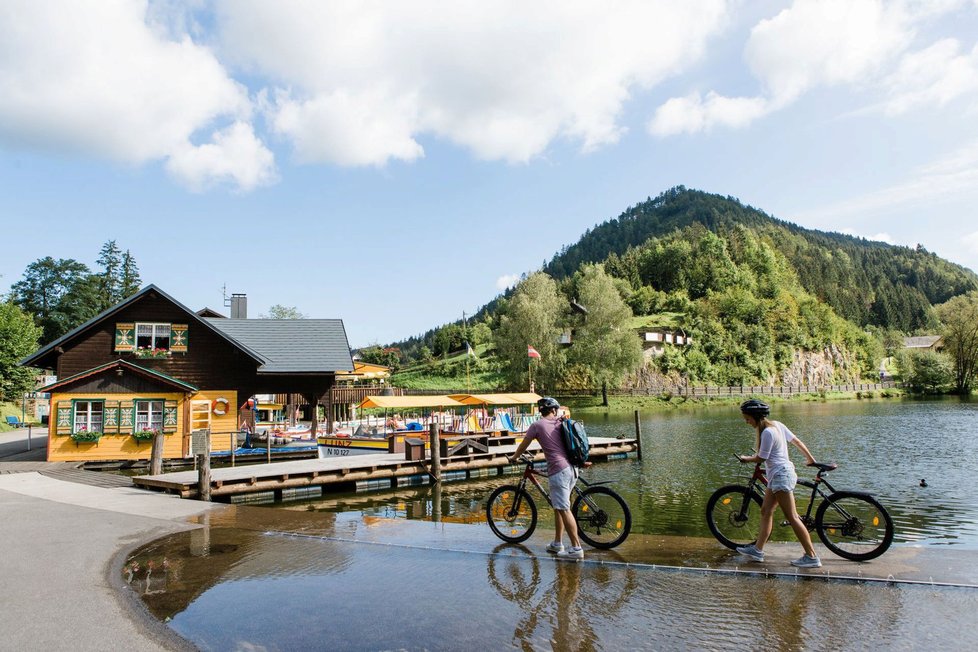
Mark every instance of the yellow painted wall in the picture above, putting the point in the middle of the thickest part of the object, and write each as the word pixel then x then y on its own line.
pixel 62 448
pixel 221 426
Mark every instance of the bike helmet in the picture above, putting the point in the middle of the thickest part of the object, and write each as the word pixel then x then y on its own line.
pixel 755 408
pixel 548 403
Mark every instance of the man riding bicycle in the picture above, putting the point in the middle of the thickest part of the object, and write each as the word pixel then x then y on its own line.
pixel 561 474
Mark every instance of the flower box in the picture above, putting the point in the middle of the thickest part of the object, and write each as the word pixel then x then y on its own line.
pixel 144 352
pixel 86 436
pixel 144 435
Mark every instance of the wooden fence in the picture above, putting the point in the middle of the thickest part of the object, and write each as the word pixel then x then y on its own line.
pixel 673 390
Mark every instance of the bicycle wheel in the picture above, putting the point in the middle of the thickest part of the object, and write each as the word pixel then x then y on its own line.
pixel 854 526
pixel 733 520
pixel 511 513
pixel 603 519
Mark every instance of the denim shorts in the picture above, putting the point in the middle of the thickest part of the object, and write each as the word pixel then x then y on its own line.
pixel 784 479
pixel 561 484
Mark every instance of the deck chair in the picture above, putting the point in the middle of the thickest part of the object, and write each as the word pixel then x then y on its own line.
pixel 15 422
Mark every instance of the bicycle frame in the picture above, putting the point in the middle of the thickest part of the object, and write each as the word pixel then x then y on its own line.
pixel 758 478
pixel 531 474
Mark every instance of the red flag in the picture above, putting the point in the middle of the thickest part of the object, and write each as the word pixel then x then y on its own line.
pixel 533 353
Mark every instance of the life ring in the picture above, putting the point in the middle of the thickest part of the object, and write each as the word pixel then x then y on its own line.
pixel 220 406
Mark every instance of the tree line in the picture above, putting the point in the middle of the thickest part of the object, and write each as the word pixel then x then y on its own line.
pixel 53 297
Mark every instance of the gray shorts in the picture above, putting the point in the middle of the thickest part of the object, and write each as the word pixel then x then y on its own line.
pixel 561 484
pixel 784 479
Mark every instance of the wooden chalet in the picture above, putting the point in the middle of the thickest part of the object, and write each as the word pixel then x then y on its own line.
pixel 151 364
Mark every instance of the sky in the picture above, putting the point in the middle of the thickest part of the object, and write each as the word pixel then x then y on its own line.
pixel 396 165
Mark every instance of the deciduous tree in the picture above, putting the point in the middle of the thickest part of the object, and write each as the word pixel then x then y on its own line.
pixel 57 293
pixel 960 319
pixel 533 317
pixel 603 342
pixel 18 339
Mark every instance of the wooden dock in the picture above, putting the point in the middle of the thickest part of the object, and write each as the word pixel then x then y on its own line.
pixel 362 472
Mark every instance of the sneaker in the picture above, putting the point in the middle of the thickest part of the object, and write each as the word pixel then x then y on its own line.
pixel 555 547
pixel 806 561
pixel 751 551
pixel 571 554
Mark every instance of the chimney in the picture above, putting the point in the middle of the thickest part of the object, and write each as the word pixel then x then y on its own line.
pixel 239 306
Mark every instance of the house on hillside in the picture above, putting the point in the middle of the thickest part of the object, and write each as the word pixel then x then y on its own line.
pixel 924 342
pixel 151 364
pixel 655 340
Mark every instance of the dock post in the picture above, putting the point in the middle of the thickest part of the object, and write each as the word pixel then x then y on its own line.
pixel 156 455
pixel 638 433
pixel 435 452
pixel 204 469
pixel 436 503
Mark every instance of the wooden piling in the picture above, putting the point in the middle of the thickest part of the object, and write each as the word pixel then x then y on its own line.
pixel 156 454
pixel 435 452
pixel 638 434
pixel 204 469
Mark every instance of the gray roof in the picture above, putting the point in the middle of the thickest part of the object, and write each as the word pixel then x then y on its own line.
pixel 292 345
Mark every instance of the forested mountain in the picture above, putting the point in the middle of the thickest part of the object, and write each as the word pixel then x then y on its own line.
pixel 866 282
pixel 762 300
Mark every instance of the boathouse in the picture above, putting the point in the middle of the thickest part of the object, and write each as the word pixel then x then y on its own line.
pixel 151 364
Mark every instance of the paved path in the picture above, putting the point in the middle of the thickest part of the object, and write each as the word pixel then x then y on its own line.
pixel 13 445
pixel 63 545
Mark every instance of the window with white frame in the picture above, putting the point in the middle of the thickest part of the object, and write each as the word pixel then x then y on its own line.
pixel 88 416
pixel 153 336
pixel 149 415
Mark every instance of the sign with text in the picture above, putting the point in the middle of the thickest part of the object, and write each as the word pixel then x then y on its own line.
pixel 199 442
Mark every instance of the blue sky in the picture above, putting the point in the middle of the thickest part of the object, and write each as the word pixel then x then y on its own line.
pixel 396 164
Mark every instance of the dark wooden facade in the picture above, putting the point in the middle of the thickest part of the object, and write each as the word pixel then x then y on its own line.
pixel 213 364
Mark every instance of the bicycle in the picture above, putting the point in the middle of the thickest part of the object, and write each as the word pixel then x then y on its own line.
pixel 603 518
pixel 852 524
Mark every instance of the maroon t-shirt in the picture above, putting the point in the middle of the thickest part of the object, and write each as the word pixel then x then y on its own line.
pixel 547 432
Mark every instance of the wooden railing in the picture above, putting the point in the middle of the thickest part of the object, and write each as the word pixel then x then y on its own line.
pixel 356 394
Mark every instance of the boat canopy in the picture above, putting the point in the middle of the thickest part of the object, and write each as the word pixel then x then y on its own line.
pixel 518 398
pixel 409 402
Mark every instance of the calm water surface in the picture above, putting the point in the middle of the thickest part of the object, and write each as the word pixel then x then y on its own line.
pixel 376 572
pixel 884 447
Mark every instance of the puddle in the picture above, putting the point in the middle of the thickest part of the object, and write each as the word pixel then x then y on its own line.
pixel 281 579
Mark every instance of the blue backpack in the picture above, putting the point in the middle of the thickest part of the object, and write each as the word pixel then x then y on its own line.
pixel 575 441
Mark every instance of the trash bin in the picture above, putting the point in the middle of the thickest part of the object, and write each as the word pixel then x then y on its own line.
pixel 413 449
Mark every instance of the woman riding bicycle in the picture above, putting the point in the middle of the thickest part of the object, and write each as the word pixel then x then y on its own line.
pixel 772 449
pixel 561 474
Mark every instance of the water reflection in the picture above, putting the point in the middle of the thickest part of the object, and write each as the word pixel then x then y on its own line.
pixel 393 584
pixel 562 611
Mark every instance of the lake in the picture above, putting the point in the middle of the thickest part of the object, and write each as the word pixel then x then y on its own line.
pixel 883 446
pixel 418 569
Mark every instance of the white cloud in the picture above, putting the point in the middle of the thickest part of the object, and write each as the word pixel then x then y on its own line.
pixel 955 176
pixel 933 76
pixel 96 78
pixel 360 83
pixel 507 281
pixel 879 237
pixel 692 114
pixel 825 43
pixel 235 156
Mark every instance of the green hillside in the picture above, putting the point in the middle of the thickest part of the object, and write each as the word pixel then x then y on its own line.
pixel 763 300
pixel 864 281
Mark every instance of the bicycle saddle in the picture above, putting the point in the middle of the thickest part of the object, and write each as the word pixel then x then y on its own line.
pixel 824 468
